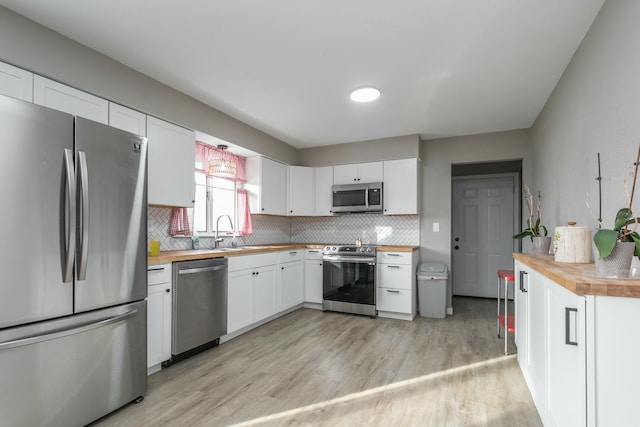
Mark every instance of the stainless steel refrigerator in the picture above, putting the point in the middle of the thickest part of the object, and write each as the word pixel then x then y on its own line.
pixel 73 340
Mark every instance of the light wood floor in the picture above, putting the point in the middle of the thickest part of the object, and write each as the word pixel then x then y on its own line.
pixel 331 369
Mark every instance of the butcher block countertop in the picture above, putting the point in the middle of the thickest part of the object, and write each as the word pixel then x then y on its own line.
pixel 579 278
pixel 188 255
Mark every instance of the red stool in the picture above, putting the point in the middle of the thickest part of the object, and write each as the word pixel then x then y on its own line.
pixel 506 321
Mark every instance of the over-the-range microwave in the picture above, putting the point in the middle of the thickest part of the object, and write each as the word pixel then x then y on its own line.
pixel 357 198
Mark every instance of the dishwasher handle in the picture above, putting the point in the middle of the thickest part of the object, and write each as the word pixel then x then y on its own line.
pixel 201 269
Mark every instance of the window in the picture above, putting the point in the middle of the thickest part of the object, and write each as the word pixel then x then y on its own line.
pixel 214 197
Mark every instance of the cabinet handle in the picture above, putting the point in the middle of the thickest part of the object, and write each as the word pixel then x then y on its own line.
pixel 293 253
pixel 167 290
pixel 391 291
pixel 522 288
pixel 568 319
pixel 281 268
pixel 155 269
pixel 393 266
pixel 393 254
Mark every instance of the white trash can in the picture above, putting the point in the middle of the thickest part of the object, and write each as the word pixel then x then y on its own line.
pixel 432 289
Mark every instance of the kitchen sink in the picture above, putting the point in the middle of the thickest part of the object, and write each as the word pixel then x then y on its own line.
pixel 241 248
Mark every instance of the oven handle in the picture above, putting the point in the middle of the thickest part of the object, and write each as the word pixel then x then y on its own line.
pixel 354 260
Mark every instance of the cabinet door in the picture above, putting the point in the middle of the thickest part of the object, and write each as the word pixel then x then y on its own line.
pixel 566 357
pixel 265 292
pixel 394 300
pixel 171 154
pixel 345 174
pixel 127 119
pixel 291 285
pixel 240 300
pixel 370 172
pixel 16 82
pixel 313 281
pixel 535 371
pixel 301 191
pixel 274 184
pixel 401 187
pixel 158 324
pixel 521 315
pixel 73 101
pixel 323 195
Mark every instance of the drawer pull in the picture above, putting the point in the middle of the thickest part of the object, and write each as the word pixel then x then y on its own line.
pixel 393 266
pixel 393 254
pixel 156 269
pixel 391 291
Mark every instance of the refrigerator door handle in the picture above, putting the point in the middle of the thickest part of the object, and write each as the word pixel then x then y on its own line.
pixel 83 215
pixel 33 339
pixel 68 218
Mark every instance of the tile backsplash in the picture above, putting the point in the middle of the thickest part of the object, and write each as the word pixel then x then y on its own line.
pixel 371 228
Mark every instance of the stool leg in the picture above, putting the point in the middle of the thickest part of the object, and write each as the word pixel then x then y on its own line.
pixel 498 314
pixel 506 313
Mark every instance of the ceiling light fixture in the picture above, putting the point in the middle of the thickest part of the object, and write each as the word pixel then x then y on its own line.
pixel 222 167
pixel 365 94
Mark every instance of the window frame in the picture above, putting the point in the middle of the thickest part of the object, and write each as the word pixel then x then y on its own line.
pixel 210 187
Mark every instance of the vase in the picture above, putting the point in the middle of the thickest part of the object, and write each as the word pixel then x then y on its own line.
pixel 541 245
pixel 618 263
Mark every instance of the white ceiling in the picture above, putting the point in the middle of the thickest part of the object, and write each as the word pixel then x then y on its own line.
pixel 286 67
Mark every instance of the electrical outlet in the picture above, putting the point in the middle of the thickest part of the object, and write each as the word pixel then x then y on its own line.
pixel 436 227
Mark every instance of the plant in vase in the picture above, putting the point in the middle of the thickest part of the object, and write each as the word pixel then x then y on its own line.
pixel 534 229
pixel 617 246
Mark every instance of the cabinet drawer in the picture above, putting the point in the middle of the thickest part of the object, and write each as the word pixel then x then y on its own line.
pixel 313 254
pixel 242 262
pixel 292 255
pixel 395 276
pixel 159 273
pixel 395 257
pixel 395 300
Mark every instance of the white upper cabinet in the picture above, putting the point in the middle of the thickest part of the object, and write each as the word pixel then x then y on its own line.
pixel 267 186
pixel 16 82
pixel 301 191
pixel 323 194
pixel 127 119
pixel 357 173
pixel 400 189
pixel 171 164
pixel 69 100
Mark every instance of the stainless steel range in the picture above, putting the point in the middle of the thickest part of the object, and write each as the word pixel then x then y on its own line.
pixel 348 281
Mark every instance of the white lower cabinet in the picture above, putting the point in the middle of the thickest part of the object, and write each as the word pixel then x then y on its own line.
pixel 291 279
pixel 313 276
pixel 565 357
pixel 578 353
pixel 159 297
pixel 396 292
pixel 251 295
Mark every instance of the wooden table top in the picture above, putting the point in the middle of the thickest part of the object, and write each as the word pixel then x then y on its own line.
pixel 579 278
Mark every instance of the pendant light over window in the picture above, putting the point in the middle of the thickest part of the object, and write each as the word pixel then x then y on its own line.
pixel 222 167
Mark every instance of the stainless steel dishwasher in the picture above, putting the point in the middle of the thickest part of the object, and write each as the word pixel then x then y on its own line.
pixel 199 306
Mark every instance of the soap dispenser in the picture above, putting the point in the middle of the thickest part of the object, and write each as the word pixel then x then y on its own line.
pixel 234 241
pixel 195 240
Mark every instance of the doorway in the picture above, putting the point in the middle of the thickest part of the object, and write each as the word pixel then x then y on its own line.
pixel 485 216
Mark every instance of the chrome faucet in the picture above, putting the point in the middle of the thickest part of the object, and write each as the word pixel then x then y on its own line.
pixel 217 239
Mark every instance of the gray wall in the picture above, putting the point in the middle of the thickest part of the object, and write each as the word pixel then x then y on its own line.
pixel 401 147
pixel 594 108
pixel 33 47
pixel 439 155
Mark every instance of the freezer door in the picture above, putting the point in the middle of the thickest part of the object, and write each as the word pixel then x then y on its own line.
pixel 111 252
pixel 72 371
pixel 36 249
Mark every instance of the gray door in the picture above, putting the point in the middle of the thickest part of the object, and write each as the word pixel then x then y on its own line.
pixel 482 228
pixel 33 220
pixel 111 254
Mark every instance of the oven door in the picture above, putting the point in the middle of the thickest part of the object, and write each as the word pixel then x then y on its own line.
pixel 349 279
